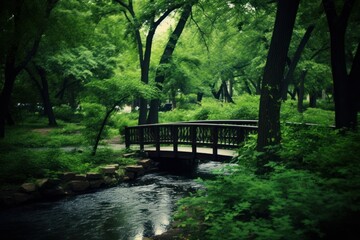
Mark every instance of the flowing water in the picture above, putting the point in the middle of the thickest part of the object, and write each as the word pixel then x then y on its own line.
pixel 129 211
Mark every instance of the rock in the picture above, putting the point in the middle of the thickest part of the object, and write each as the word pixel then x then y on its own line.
pixel 172 234
pixel 96 183
pixel 146 163
pixel 22 197
pixel 80 177
pixel 126 178
pixel 28 188
pixel 93 176
pixel 134 168
pixel 126 155
pixel 115 165
pixel 78 186
pixel 67 176
pixel 137 169
pixel 108 169
pixel 130 175
pixel 47 183
pixel 110 181
pixel 54 192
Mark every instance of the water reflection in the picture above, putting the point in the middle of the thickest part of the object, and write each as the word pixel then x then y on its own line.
pixel 129 211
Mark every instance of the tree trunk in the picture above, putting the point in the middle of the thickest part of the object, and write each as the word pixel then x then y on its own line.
pixel 301 92
pixel 342 87
pixel 199 97
pixel 290 74
pixel 354 79
pixel 98 137
pixel 270 100
pixel 165 59
pixel 43 89
pixel 46 97
pixel 312 101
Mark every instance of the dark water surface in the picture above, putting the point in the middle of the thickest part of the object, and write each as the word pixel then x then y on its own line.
pixel 129 211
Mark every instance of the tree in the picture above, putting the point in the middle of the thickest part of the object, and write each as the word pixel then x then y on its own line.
pixel 107 95
pixel 346 86
pixel 152 15
pixel 43 88
pixel 165 60
pixel 25 20
pixel 270 100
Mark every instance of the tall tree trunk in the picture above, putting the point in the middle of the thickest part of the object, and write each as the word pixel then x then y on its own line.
pixel 342 87
pixel 199 97
pixel 46 97
pixel 270 100
pixel 313 99
pixel 354 78
pixel 43 89
pixel 301 92
pixel 165 59
pixel 290 74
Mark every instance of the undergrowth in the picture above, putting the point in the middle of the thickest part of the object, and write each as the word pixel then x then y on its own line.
pixel 310 192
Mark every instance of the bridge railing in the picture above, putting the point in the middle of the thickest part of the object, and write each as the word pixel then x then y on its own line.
pixel 215 136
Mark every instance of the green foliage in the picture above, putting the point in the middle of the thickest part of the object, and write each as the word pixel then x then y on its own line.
pixel 247 107
pixel 122 120
pixel 38 135
pixel 176 115
pixel 311 192
pixel 288 204
pixel 19 165
pixel 92 119
pixel 66 113
pixel 319 116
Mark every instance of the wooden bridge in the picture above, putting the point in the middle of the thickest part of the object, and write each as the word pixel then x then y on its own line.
pixel 202 140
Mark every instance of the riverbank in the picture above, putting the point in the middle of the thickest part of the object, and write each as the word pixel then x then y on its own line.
pixel 71 183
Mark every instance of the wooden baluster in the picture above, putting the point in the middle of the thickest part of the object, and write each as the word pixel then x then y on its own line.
pixel 157 139
pixel 127 137
pixel 141 138
pixel 174 135
pixel 215 134
pixel 193 140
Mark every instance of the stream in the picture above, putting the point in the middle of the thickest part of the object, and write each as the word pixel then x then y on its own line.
pixel 131 210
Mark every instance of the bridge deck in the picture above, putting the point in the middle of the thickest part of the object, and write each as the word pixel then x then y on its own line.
pixel 186 153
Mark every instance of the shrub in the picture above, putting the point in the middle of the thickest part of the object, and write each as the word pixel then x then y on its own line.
pixel 66 113
pixel 93 117
pixel 176 115
pixel 311 192
pixel 247 107
pixel 288 204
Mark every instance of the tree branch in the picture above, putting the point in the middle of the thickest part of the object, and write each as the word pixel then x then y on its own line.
pixel 202 33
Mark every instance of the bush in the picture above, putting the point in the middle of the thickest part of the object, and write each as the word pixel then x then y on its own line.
pixel 66 113
pixel 311 192
pixel 319 116
pixel 122 120
pixel 247 107
pixel 176 115
pixel 93 117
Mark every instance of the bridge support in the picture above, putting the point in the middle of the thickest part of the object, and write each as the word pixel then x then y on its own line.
pixel 177 165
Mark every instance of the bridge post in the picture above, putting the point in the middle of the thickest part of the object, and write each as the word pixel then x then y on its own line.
pixel 193 140
pixel 141 138
pixel 157 140
pixel 127 137
pixel 215 133
pixel 174 135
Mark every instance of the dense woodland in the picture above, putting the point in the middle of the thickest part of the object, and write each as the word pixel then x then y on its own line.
pixel 69 68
